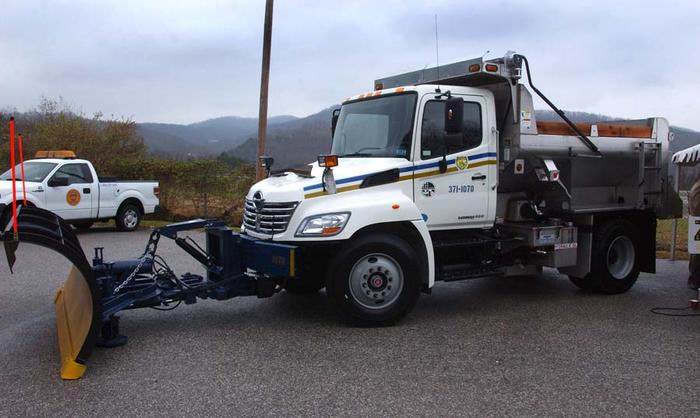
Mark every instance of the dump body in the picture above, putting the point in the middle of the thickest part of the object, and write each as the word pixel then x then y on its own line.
pixel 629 171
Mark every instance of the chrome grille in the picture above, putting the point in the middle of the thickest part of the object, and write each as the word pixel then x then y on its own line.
pixel 273 218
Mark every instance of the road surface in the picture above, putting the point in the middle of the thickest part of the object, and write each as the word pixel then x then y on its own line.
pixel 513 347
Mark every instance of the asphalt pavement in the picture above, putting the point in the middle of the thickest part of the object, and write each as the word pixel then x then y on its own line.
pixel 488 347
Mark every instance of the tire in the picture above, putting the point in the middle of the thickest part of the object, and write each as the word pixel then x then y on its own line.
pixel 614 259
pixel 374 280
pixel 83 226
pixel 128 218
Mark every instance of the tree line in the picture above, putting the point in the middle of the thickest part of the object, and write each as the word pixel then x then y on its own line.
pixel 211 187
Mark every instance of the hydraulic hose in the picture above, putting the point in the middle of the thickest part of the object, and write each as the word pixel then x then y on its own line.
pixel 558 111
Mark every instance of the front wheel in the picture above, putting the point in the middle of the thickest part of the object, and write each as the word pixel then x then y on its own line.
pixel 128 218
pixel 375 280
pixel 614 260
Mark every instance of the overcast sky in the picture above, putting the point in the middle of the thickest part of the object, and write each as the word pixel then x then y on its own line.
pixel 185 61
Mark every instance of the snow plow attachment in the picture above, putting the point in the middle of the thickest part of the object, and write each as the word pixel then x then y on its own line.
pixel 88 302
pixel 77 302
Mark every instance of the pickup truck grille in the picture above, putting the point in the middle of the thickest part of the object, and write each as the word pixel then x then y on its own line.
pixel 273 218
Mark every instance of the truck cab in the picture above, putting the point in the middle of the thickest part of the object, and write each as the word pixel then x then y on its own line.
pixel 395 141
pixel 446 174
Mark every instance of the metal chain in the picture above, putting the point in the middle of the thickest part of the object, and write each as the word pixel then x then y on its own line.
pixel 148 254
pixel 133 273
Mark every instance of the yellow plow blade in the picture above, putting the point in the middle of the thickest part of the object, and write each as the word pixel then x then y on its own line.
pixel 78 303
pixel 74 315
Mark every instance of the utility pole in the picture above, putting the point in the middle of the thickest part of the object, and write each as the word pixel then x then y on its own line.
pixel 264 81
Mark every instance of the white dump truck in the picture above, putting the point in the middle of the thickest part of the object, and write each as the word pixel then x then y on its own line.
pixel 436 175
pixel 69 187
pixel 446 174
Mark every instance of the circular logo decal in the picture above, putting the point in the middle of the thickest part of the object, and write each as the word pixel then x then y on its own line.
pixel 428 189
pixel 462 162
pixel 73 197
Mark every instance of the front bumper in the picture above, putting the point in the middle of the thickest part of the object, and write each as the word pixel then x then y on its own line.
pixel 235 253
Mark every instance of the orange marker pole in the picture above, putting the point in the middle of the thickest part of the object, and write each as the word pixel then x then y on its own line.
pixel 14 177
pixel 21 167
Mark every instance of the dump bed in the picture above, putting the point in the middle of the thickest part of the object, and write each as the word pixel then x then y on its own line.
pixel 601 166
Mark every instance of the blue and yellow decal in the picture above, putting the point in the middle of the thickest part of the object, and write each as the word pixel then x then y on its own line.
pixel 410 172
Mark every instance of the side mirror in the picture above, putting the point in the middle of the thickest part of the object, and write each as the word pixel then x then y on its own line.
pixel 334 121
pixel 58 182
pixel 454 110
pixel 266 163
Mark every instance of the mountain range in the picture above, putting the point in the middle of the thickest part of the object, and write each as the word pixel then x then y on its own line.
pixel 206 138
pixel 295 141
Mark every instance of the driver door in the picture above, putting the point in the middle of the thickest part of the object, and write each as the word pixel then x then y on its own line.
pixel 73 201
pixel 460 196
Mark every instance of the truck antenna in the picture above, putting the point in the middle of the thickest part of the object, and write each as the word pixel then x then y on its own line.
pixel 437 54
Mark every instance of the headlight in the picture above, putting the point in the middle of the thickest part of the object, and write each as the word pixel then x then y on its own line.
pixel 323 225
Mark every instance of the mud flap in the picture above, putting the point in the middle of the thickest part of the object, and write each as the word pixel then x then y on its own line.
pixel 77 303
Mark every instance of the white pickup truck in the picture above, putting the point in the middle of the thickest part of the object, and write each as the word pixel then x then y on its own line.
pixel 71 188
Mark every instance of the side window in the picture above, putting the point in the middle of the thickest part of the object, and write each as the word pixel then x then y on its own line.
pixel 433 130
pixel 75 173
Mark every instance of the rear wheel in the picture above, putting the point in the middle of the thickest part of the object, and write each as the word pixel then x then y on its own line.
pixel 614 259
pixel 374 281
pixel 128 218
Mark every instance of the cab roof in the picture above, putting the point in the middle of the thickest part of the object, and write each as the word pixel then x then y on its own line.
pixel 56 160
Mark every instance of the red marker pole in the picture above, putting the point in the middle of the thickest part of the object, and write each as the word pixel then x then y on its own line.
pixel 14 176
pixel 21 168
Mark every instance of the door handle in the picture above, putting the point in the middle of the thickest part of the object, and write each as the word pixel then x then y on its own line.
pixel 86 190
pixel 479 177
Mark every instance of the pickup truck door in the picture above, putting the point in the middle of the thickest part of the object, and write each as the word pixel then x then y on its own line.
pixel 460 197
pixel 74 201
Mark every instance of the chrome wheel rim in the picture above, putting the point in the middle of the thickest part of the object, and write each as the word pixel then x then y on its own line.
pixel 620 257
pixel 376 281
pixel 131 218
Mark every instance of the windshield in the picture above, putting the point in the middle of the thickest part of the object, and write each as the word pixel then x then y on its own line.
pixel 33 171
pixel 380 127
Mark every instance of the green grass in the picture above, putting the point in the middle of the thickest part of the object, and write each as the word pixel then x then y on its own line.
pixel 663 239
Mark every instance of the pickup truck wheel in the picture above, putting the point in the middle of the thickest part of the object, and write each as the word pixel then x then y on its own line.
pixel 374 280
pixel 614 263
pixel 128 218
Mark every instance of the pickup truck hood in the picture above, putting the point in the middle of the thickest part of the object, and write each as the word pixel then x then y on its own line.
pixel 290 187
pixel 6 187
